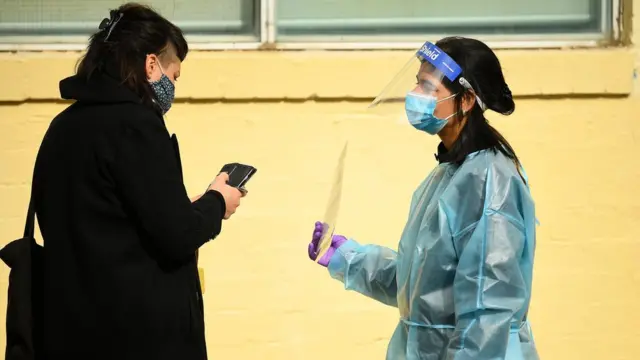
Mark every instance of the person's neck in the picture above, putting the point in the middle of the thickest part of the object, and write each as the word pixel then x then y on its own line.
pixel 448 136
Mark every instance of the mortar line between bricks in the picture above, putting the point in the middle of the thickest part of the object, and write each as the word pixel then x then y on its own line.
pixel 315 98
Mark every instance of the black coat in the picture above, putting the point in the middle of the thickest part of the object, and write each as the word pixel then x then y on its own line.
pixel 120 233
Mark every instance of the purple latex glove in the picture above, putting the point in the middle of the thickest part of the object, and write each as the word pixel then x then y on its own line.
pixel 336 242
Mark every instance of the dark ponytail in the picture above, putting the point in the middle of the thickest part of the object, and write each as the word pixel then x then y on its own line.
pixel 482 69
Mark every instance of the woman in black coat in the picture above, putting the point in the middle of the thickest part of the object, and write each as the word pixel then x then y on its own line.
pixel 120 233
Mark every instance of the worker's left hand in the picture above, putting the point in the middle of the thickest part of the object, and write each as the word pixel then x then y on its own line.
pixel 314 246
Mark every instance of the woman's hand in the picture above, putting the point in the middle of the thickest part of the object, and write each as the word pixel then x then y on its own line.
pixel 230 194
pixel 314 246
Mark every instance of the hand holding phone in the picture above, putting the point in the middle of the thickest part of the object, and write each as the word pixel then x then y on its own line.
pixel 230 194
pixel 239 175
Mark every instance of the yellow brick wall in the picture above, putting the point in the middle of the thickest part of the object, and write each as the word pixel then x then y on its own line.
pixel 265 300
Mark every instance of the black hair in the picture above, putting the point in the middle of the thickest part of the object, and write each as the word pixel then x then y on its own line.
pixel 481 68
pixel 120 48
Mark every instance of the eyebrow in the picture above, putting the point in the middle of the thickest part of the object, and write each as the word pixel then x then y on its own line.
pixel 418 79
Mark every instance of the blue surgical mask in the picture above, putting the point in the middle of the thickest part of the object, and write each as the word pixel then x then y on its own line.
pixel 165 92
pixel 420 108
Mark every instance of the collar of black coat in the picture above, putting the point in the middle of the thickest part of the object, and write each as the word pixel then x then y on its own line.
pixel 97 88
pixel 443 155
pixel 461 148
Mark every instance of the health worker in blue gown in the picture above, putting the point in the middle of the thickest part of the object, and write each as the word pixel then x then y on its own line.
pixel 461 274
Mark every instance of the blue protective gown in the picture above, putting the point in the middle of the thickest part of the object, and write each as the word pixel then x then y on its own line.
pixel 461 277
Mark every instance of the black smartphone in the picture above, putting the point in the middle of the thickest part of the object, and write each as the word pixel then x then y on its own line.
pixel 239 174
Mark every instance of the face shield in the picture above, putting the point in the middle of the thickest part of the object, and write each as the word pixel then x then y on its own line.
pixel 420 86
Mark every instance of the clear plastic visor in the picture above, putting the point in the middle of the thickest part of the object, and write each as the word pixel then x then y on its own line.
pixel 423 75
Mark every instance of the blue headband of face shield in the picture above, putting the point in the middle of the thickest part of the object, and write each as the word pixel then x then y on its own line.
pixel 419 107
pixel 446 65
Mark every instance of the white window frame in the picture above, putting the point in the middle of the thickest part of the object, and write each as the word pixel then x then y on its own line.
pixel 265 17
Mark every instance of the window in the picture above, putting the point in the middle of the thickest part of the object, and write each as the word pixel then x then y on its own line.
pixel 66 24
pixel 71 22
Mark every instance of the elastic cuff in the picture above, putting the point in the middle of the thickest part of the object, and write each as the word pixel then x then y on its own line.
pixel 341 258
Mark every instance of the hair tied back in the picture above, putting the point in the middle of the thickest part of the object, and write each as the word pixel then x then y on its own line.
pixel 110 23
